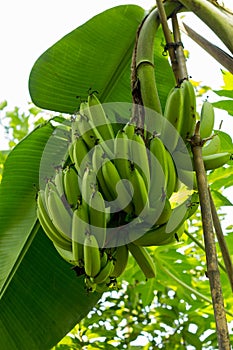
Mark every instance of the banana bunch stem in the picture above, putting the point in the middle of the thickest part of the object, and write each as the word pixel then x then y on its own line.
pixel 210 248
pixel 144 57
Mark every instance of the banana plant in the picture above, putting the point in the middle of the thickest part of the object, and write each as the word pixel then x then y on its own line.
pixel 41 296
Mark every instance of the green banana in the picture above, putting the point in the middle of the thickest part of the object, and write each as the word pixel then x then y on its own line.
pixel 86 128
pixel 103 259
pixel 92 262
pixel 58 181
pixel 143 259
pixel 98 157
pixel 71 187
pixel 90 285
pixel 116 186
pixel 59 215
pixel 212 146
pixel 158 149
pixel 53 234
pixel 214 161
pixel 67 255
pixel 122 155
pixel 104 273
pixel 89 185
pixel 164 233
pixel 211 161
pixel 80 229
pixel 207 119
pixel 172 175
pixel 98 117
pixel 173 115
pixel 129 129
pixel 140 198
pixel 71 151
pixel 166 212
pixel 97 217
pixel 80 154
pixel 140 158
pixel 120 260
pixel 188 178
pixel 189 110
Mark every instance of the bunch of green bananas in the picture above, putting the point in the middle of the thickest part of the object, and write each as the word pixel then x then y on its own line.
pixel 114 194
pixel 213 156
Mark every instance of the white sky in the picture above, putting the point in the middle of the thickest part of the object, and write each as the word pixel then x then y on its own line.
pixel 28 28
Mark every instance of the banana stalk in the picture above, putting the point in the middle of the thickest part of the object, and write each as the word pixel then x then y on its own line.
pixel 215 17
pixel 145 57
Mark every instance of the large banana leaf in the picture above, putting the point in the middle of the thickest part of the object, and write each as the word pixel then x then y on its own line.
pixel 97 56
pixel 18 190
pixel 44 300
pixel 41 298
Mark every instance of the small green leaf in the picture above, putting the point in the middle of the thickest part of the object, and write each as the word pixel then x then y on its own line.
pixel 227 105
pixel 220 200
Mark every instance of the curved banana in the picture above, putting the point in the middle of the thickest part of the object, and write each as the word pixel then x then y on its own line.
pixel 140 198
pixel 86 129
pixel 59 183
pixel 71 151
pixel 183 160
pixel 60 216
pixel 92 263
pixel 89 185
pixel 158 149
pixel 143 259
pixel 172 175
pixel 188 178
pixel 98 117
pixel 67 255
pixel 98 158
pixel 166 212
pixel 53 234
pixel 129 129
pixel 189 110
pixel 212 146
pixel 120 259
pixel 140 157
pixel 71 187
pixel 104 273
pixel 80 154
pixel 116 186
pixel 211 161
pixel 207 119
pixel 97 216
pixel 122 154
pixel 214 161
pixel 173 114
pixel 166 232
pixel 80 229
pixel 103 259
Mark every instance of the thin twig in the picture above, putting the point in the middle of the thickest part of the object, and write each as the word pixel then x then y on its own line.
pixel 170 45
pixel 181 60
pixel 221 241
pixel 210 248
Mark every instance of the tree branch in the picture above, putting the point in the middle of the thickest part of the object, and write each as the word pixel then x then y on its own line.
pixel 221 241
pixel 210 248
